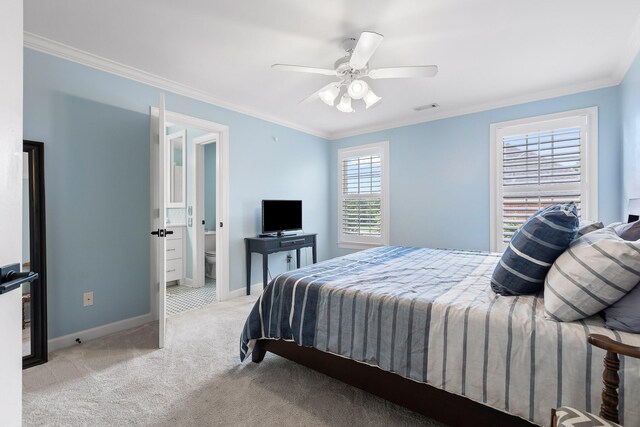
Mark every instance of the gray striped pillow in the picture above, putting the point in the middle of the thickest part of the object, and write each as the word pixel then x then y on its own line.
pixel 597 270
pixel 587 226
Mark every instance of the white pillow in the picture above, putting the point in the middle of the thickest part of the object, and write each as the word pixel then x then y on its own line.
pixel 597 270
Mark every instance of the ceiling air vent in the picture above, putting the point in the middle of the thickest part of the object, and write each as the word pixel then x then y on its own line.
pixel 426 107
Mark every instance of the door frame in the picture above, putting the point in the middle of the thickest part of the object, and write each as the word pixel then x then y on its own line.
pixel 198 246
pixel 222 200
pixel 37 255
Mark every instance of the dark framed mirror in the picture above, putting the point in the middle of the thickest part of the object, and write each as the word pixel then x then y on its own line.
pixel 34 294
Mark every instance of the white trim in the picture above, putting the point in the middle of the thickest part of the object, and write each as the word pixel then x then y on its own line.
pixel 159 274
pixel 445 114
pixel 154 285
pixel 365 242
pixel 69 340
pixel 493 187
pixel 256 289
pixel 352 245
pixel 60 50
pixel 590 172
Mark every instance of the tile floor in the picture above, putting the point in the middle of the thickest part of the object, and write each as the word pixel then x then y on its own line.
pixel 182 298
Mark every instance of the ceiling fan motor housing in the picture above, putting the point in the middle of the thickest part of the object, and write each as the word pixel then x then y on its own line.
pixel 343 68
pixel 349 44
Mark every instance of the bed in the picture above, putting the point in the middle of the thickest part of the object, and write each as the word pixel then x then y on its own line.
pixel 427 320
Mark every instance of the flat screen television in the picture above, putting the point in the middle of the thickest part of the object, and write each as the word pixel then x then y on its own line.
pixel 279 216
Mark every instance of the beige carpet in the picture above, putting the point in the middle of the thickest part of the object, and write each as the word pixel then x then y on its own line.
pixel 197 380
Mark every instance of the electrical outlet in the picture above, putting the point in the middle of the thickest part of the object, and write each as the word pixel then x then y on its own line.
pixel 88 299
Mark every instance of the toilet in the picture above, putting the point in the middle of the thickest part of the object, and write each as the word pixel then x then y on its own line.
pixel 210 254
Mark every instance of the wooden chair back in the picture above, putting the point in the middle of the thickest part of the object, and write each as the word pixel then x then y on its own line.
pixel 610 376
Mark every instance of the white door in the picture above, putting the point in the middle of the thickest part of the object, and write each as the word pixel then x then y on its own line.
pixel 11 208
pixel 161 259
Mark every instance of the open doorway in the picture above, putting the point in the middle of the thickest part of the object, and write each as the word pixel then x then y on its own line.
pixel 205 209
pixel 185 288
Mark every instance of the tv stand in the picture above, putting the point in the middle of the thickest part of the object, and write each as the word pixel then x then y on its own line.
pixel 272 244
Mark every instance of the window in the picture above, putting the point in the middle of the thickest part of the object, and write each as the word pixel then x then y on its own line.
pixel 363 207
pixel 541 161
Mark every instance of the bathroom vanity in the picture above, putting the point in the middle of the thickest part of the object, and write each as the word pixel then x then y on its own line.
pixel 175 253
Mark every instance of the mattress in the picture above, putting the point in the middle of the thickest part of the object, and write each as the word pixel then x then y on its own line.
pixel 430 316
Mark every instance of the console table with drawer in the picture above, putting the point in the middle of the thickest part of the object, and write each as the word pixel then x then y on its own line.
pixel 270 245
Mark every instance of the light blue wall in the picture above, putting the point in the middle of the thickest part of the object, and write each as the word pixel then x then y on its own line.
pixel 439 172
pixel 210 186
pixel 630 106
pixel 95 127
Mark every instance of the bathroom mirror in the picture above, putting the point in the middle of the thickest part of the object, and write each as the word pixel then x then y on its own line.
pixel 176 171
pixel 34 294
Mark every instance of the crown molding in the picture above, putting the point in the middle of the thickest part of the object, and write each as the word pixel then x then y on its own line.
pixel 629 55
pixel 60 50
pixel 508 102
pixel 51 47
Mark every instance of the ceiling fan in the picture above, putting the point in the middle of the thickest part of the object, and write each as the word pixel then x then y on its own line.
pixel 351 69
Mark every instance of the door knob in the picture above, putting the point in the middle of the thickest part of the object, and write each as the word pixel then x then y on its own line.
pixel 11 278
pixel 161 232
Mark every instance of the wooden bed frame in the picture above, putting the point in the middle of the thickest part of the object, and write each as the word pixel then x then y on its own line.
pixel 440 405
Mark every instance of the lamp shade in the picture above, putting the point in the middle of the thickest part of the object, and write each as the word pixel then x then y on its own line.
pixel 371 99
pixel 345 104
pixel 358 89
pixel 634 210
pixel 329 95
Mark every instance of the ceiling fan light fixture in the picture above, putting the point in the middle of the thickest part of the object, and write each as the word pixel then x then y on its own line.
pixel 352 69
pixel 345 104
pixel 358 89
pixel 371 99
pixel 329 95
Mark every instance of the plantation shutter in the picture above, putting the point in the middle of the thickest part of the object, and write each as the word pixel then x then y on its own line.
pixel 361 195
pixel 362 192
pixel 540 168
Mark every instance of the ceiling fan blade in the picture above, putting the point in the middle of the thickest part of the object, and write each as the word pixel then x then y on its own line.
pixel 316 95
pixel 301 69
pixel 404 72
pixel 364 50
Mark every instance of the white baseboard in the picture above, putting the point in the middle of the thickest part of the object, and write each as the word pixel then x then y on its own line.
pixel 256 289
pixel 189 282
pixel 99 331
pixel 122 325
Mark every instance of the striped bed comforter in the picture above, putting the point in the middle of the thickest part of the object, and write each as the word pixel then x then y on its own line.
pixel 430 315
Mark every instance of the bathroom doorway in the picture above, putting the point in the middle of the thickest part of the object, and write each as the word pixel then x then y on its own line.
pixel 206 202
pixel 183 289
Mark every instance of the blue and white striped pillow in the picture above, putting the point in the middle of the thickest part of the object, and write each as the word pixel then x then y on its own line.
pixel 533 250
pixel 597 270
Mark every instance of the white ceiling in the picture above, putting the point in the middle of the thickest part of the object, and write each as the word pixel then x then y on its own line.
pixel 490 53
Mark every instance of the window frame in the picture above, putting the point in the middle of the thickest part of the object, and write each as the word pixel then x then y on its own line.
pixel 588 160
pixel 364 242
